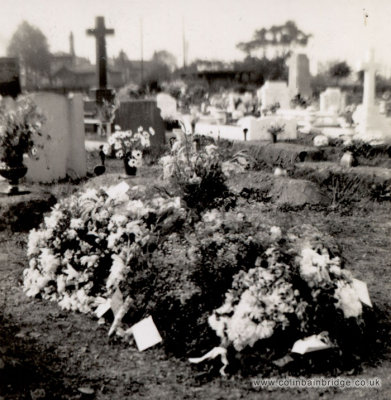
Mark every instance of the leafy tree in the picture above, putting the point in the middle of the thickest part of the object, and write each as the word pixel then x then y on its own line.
pixel 339 70
pixel 163 64
pixel 30 45
pixel 281 38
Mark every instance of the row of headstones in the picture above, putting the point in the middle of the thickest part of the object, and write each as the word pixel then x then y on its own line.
pixel 332 100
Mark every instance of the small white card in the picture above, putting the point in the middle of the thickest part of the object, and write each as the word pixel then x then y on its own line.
pixel 102 309
pixel 146 334
pixel 362 291
pixel 309 344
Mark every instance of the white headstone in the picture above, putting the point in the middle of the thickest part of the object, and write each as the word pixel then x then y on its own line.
pixel 332 100
pixel 167 105
pixel 64 154
pixel 274 92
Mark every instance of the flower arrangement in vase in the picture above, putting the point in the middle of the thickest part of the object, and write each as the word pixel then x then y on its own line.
pixel 129 146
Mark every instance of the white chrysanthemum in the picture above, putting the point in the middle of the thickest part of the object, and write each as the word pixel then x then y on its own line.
pixel 36 241
pixel 137 154
pixel 348 300
pixel 76 223
pixel 314 267
pixel 48 261
pixel 132 163
pixel 52 220
pixel 89 261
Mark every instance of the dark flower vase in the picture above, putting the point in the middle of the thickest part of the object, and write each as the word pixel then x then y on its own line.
pixel 128 169
pixel 13 174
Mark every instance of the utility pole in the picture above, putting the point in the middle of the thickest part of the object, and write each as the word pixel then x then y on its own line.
pixel 142 51
pixel 184 43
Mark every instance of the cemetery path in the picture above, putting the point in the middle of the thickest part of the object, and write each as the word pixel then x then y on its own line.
pixel 42 347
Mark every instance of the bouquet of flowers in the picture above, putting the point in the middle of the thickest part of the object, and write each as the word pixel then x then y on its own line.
pixel 306 292
pixel 90 245
pixel 129 146
pixel 19 127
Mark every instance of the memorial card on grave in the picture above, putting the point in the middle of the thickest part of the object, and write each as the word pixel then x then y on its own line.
pixel 146 334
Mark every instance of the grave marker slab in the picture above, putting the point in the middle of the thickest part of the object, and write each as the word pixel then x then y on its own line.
pixel 9 77
pixel 332 100
pixel 299 76
pixel 64 154
pixel 274 92
pixel 134 113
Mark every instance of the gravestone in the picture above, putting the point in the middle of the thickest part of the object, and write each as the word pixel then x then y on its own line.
pixel 132 114
pixel 64 154
pixel 9 77
pixel 299 76
pixel 332 100
pixel 372 126
pixel 167 105
pixel 274 92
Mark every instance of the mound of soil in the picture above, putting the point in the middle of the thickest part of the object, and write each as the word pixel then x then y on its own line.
pixel 297 192
pixel 355 183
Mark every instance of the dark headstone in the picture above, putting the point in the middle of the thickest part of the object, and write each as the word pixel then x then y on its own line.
pixel 9 77
pixel 134 113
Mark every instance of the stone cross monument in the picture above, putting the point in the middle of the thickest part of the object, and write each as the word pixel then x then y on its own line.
pixel 372 126
pixel 100 32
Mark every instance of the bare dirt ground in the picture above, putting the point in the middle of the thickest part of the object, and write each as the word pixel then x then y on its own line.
pixel 46 353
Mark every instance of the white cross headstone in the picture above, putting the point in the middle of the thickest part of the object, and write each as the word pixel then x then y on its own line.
pixel 372 126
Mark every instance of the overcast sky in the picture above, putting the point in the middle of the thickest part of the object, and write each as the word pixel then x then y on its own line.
pixel 212 27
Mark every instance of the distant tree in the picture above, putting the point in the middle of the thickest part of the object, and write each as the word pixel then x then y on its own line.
pixel 164 57
pixel 30 45
pixel 339 70
pixel 282 38
pixel 163 64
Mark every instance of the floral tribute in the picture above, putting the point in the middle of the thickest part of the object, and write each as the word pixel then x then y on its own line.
pixel 90 242
pixel 129 145
pixel 280 293
pixel 20 126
